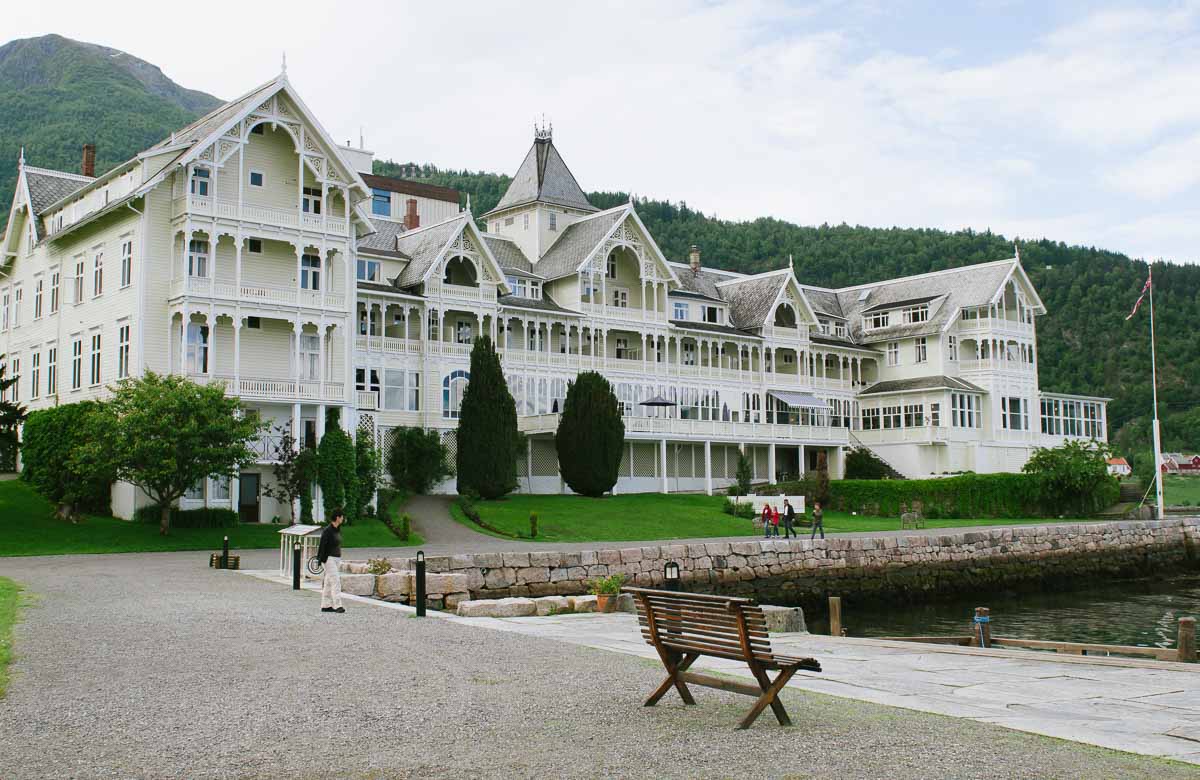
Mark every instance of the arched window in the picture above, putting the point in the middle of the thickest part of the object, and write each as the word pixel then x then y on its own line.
pixel 453 387
pixel 785 316
pixel 460 271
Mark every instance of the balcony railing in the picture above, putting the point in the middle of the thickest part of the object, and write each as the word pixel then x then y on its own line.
pixel 990 364
pixel 628 313
pixel 484 293
pixel 994 323
pixel 921 434
pixel 368 399
pixel 263 215
pixel 275 389
pixel 709 429
pixel 205 287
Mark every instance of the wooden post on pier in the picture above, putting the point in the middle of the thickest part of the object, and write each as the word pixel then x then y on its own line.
pixel 1186 644
pixel 983 626
pixel 835 615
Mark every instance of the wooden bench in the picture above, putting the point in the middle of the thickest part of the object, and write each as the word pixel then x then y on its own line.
pixel 684 626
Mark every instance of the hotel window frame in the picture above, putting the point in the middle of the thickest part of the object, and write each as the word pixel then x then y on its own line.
pixel 921 349
pixel 39 287
pixel 123 351
pixel 365 268
pixel 198 254
pixel 203 177
pixel 914 315
pixel 310 272
pixel 310 200
pixel 77 297
pixel 76 363
pixel 35 374
pixel 126 263
pixel 95 367
pixel 680 311
pixel 893 353
pixel 262 178
pixel 98 275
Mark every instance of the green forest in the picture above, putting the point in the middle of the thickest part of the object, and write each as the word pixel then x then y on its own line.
pixel 1085 344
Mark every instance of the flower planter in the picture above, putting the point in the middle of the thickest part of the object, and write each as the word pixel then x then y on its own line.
pixel 606 602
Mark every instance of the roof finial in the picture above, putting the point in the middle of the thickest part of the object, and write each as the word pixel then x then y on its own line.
pixel 1016 251
pixel 283 64
pixel 468 202
pixel 543 131
pixel 21 160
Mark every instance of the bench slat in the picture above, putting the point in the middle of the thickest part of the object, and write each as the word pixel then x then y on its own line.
pixel 689 596
pixel 670 624
pixel 710 621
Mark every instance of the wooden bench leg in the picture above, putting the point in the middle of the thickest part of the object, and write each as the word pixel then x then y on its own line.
pixel 674 667
pixel 769 697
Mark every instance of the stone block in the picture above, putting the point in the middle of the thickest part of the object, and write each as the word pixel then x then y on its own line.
pixel 438 563
pixel 717 548
pixel 588 558
pixel 631 555
pixel 516 560
pixel 488 560
pixel 547 605
pixel 510 607
pixel 569 559
pixel 353 567
pixel 546 559
pixel 441 584
pixel 500 578
pixel 452 600
pixel 583 604
pixel 395 586
pixel 543 588
pixel 532 574
pixel 609 557
pixel 652 553
pixel 625 603
pixel 358 584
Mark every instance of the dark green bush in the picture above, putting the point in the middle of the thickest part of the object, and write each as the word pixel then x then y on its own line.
pixel 417 459
pixel 965 496
pixel 210 517
pixel 590 435
pixel 53 462
pixel 486 461
pixel 739 509
pixel 861 463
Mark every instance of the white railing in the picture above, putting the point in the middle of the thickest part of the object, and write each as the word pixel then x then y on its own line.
pixel 265 215
pixel 368 399
pixel 921 433
pixel 265 446
pixel 990 364
pixel 250 293
pixel 484 293
pixel 993 323
pixel 275 389
pixel 709 429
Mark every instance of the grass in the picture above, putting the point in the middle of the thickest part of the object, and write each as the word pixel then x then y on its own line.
pixel 10 594
pixel 653 516
pixel 29 527
pixel 1181 491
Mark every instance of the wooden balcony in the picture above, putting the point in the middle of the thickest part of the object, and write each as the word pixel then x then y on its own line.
pixel 204 287
pixel 713 430
pixel 261 215
pixel 254 388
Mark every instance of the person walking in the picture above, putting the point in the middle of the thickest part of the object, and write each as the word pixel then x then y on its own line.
pixel 774 522
pixel 329 554
pixel 789 520
pixel 818 521
pixel 766 520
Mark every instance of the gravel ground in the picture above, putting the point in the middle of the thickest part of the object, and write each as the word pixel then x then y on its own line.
pixel 149 665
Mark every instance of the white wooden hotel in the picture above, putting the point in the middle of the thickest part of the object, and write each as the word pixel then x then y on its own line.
pixel 250 249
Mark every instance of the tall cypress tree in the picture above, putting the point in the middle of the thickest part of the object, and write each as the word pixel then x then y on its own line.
pixel 590 435
pixel 487 428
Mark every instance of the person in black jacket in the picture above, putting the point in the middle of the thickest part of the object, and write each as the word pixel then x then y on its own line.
pixel 789 519
pixel 329 553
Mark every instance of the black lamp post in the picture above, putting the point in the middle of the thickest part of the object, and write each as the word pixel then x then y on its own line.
pixel 296 566
pixel 420 595
pixel 671 576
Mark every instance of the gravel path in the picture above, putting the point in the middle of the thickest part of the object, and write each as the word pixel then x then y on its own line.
pixel 149 665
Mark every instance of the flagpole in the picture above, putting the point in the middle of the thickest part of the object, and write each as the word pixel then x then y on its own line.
pixel 1158 471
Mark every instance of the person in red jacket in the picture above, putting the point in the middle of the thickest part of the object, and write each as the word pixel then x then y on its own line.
pixel 774 521
pixel 766 520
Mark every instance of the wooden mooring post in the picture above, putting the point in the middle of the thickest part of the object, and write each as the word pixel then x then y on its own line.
pixel 1186 642
pixel 983 626
pixel 835 615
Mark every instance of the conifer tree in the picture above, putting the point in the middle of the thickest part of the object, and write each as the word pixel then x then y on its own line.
pixel 487 428
pixel 590 435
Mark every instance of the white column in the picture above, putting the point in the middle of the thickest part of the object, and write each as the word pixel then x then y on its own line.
pixel 183 336
pixel 708 482
pixel 803 462
pixel 297 329
pixel 237 352
pixel 771 463
pixel 321 352
pixel 211 357
pixel 662 450
pixel 237 267
pixel 297 433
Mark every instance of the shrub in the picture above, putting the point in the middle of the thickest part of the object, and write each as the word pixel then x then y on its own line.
pixel 205 517
pixel 378 566
pixel 861 463
pixel 1074 477
pixel 54 461
pixel 336 470
pixel 606 586
pixel 965 496
pixel 487 428
pixel 366 465
pixel 417 460
pixel 744 474
pixel 821 487
pixel 590 435
pixel 743 509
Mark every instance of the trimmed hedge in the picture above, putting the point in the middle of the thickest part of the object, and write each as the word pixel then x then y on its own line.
pixel 212 517
pixel 966 496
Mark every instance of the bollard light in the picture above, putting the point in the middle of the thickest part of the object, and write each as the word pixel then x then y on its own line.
pixel 296 566
pixel 420 595
pixel 671 576
pixel 225 553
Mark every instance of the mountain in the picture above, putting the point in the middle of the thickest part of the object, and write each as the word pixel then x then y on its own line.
pixel 1085 346
pixel 57 94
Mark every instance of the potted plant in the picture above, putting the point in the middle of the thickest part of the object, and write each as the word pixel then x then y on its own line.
pixel 606 590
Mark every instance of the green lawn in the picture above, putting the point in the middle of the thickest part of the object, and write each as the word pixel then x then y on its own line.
pixel 10 594
pixel 28 527
pixel 1181 491
pixel 653 516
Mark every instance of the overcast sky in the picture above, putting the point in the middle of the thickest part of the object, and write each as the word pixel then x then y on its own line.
pixel 1079 122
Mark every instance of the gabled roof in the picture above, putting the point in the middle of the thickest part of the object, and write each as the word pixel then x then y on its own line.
pixel 922 383
pixel 702 282
pixel 509 255
pixel 577 243
pixel 425 245
pixel 47 187
pixel 823 301
pixel 545 303
pixel 543 177
pixel 382 242
pixel 752 299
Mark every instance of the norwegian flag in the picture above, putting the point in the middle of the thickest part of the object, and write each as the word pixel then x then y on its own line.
pixel 1145 289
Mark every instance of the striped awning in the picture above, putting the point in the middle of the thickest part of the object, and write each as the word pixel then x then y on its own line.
pixel 798 400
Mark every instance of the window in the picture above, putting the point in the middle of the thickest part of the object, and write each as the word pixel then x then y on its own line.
pixel 199 185
pixel 689 353
pixel 4 311
pixel 712 314
pixel 433 326
pixel 18 296
pixel 611 266
pixel 381 203
pixel 526 221
pixel 368 270
pixel 35 374
pixel 16 374
pixel 126 263
pixel 680 311
pixel 823 327
pixel 921 351
pixel 94 374
pixel 893 353
pixel 123 352
pixel 952 348
pixel 76 364
pixel 257 178
pixel 195 492
pixel 879 319
pixel 914 314
pixel 310 357
pixel 964 410
pixel 553 218
pixel 197 348
pixel 891 417
pixel 620 298
pixel 54 292
pixel 198 258
pixel 310 272
pixel 462 333
pixel 312 200
pixel 218 489
pixel 453 387
pixel 37 298
pixel 52 371
pixel 870 420
pixel 535 289
pixel 78 283
pixel 1014 414
pixel 254 246
pixel 98 275
pixel 935 414
pixel 839 329
pixel 914 415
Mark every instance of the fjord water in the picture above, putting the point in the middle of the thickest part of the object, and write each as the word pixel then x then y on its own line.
pixel 1135 612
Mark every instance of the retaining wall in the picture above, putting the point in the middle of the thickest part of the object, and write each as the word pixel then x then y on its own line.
pixel 803 573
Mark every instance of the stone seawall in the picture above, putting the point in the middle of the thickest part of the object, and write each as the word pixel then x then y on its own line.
pixel 803 573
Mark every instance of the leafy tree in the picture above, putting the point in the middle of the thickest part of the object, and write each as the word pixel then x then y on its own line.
pixel 57 460
pixel 417 460
pixel 821 487
pixel 11 415
pixel 295 471
pixel 337 470
pixel 861 463
pixel 1074 477
pixel 744 475
pixel 590 435
pixel 170 433
pixel 366 464
pixel 487 428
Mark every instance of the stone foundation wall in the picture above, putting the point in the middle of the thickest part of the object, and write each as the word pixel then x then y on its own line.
pixel 804 573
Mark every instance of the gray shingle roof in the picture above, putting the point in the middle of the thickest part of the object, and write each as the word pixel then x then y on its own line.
pixel 508 254
pixel 712 327
pixel 698 282
pixel 576 243
pixel 48 187
pixel 823 301
pixel 383 240
pixel 750 299
pixel 212 121
pixel 424 245
pixel 543 176
pixel 921 383
pixel 545 303
pixel 900 304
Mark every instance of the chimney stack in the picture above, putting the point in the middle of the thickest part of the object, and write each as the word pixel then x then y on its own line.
pixel 694 257
pixel 412 219
pixel 88 166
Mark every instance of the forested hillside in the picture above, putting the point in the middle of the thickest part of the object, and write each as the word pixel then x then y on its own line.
pixel 57 94
pixel 1085 344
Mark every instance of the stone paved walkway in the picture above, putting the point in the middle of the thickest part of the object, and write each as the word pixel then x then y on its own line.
pixel 1133 705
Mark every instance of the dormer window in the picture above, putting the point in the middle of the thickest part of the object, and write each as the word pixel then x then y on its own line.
pixel 200 182
pixel 553 219
pixel 680 311
pixel 368 270
pixel 525 288
pixel 915 314
pixel 879 319
pixel 839 329
pixel 712 314
pixel 381 203
pixel 824 327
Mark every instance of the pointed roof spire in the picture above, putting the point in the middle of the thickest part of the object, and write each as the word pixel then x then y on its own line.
pixel 543 177
pixel 283 65
pixel 1016 251
pixel 21 159
pixel 468 203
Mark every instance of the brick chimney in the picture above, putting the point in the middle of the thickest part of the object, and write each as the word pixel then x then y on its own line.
pixel 694 257
pixel 88 166
pixel 412 219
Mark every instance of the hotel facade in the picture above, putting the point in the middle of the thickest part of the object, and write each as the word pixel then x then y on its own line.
pixel 249 249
